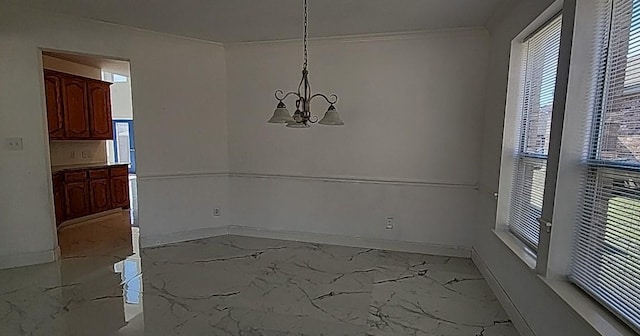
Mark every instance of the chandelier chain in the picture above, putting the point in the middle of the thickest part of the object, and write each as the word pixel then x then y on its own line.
pixel 304 39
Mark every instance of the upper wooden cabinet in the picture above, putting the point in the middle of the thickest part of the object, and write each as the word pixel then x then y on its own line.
pixel 78 108
pixel 75 108
pixel 55 118
pixel 100 108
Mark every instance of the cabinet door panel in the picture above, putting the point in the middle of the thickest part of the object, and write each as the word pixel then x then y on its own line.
pixel 53 95
pixel 58 198
pixel 120 192
pixel 75 176
pixel 100 198
pixel 100 110
pixel 76 109
pixel 76 201
pixel 99 174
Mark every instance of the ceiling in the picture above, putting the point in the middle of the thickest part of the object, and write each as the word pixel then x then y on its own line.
pixel 258 20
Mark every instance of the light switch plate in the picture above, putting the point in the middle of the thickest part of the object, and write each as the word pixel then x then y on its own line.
pixel 14 144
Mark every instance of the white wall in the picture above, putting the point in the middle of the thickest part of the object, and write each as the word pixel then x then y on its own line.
pixel 179 97
pixel 121 104
pixel 545 313
pixel 63 153
pixel 410 147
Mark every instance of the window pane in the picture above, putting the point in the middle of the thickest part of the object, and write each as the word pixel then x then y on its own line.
pixel 526 208
pixel 607 260
pixel 122 136
pixel 620 120
pixel 607 252
pixel 540 60
pixel 539 88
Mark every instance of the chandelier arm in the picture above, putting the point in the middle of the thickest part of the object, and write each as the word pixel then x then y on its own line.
pixel 308 85
pixel 280 95
pixel 304 75
pixel 304 94
pixel 331 101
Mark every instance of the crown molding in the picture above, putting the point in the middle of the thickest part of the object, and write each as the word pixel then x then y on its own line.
pixel 391 36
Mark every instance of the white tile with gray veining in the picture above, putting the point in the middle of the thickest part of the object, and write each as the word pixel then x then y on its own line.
pixel 250 286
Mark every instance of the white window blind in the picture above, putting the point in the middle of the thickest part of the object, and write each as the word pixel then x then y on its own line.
pixel 540 65
pixel 606 261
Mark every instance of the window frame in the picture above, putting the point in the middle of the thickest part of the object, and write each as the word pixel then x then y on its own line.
pixel 595 167
pixel 515 129
pixel 565 165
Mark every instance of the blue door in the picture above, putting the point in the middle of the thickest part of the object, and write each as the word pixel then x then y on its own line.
pixel 124 144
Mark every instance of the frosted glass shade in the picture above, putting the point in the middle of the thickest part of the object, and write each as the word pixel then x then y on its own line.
pixel 332 117
pixel 280 115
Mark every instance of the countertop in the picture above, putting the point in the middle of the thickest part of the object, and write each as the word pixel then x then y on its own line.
pixel 86 166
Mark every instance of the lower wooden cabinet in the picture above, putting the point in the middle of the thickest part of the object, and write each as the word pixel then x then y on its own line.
pixel 99 195
pixel 81 192
pixel 58 197
pixel 76 200
pixel 120 191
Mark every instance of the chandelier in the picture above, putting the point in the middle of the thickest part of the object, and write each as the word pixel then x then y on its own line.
pixel 302 117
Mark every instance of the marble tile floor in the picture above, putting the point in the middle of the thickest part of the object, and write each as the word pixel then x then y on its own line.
pixel 105 235
pixel 249 286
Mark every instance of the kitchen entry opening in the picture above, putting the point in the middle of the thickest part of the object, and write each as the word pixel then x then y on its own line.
pixel 89 117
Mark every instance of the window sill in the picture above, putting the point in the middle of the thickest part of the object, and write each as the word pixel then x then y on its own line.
pixel 519 248
pixel 595 315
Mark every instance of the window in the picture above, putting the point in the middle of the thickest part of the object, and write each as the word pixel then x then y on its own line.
pixel 114 77
pixel 119 78
pixel 539 68
pixel 606 261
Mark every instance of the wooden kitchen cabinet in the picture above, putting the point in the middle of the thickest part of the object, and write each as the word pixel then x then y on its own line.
pixel 58 198
pixel 100 125
pixel 55 117
pixel 76 196
pixel 99 195
pixel 75 108
pixel 84 191
pixel 78 108
pixel 120 187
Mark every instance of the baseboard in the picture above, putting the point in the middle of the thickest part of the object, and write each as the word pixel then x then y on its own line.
pixel 177 237
pixel 514 314
pixel 391 245
pixel 27 259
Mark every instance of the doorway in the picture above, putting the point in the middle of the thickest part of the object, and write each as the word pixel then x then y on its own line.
pixel 89 108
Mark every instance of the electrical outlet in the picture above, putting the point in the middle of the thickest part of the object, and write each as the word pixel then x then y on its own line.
pixel 216 212
pixel 73 155
pixel 14 144
pixel 85 154
pixel 389 223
